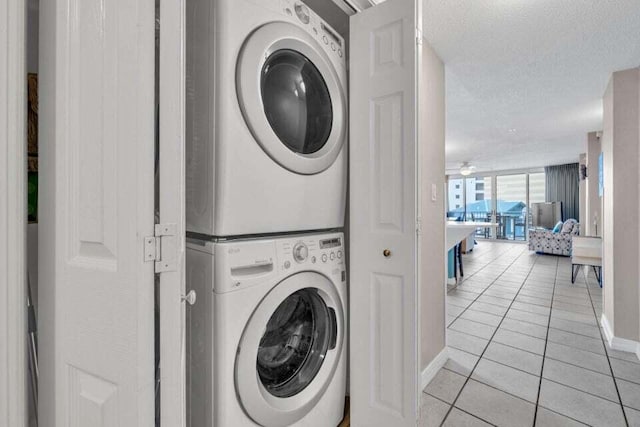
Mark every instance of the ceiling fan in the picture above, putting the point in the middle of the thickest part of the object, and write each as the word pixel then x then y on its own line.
pixel 466 169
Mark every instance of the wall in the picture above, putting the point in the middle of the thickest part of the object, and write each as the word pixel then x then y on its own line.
pixel 432 171
pixel 593 225
pixel 582 185
pixel 33 17
pixel 620 145
pixel 12 214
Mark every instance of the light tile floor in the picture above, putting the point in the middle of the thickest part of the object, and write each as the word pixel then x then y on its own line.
pixel 526 348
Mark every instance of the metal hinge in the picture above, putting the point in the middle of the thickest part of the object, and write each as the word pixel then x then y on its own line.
pixel 418 36
pixel 161 248
pixel 418 226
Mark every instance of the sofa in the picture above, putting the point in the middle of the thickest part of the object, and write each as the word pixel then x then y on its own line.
pixel 554 243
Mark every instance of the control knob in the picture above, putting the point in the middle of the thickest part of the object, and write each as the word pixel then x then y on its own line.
pixel 302 12
pixel 300 252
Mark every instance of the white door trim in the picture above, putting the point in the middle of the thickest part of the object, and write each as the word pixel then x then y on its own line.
pixel 13 211
pixel 172 87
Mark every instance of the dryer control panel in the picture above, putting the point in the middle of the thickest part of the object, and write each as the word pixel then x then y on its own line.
pixel 327 37
pixel 247 263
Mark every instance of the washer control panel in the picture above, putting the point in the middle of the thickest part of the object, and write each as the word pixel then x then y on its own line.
pixel 310 250
pixel 328 38
pixel 242 264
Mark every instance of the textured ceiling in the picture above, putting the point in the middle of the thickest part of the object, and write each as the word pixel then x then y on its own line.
pixel 525 77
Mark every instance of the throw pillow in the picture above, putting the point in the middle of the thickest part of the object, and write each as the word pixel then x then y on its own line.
pixel 558 227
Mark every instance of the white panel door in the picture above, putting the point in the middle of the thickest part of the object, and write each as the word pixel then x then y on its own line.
pixel 383 212
pixel 96 320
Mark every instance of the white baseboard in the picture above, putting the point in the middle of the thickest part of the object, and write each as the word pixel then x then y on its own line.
pixel 608 333
pixel 617 343
pixel 432 368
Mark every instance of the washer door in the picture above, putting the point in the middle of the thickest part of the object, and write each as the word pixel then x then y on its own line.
pixel 290 349
pixel 291 98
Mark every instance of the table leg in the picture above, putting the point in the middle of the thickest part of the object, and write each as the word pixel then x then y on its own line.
pixel 455 263
pixel 598 274
pixel 574 272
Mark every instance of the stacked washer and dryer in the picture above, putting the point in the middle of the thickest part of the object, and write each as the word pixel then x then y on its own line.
pixel 266 194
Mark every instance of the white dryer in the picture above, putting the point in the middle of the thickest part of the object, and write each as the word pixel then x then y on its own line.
pixel 266 118
pixel 266 336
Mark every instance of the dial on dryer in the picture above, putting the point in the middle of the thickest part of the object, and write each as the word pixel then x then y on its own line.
pixel 300 252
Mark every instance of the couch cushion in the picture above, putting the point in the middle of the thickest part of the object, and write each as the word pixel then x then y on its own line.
pixel 568 225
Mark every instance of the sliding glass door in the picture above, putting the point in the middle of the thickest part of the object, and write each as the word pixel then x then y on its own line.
pixel 511 207
pixel 504 198
pixel 479 203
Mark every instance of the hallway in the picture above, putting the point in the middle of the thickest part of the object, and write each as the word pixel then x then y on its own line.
pixel 526 349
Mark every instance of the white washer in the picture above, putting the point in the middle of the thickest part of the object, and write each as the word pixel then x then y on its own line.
pixel 266 337
pixel 266 119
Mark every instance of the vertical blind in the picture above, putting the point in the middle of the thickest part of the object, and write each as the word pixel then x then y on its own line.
pixel 562 185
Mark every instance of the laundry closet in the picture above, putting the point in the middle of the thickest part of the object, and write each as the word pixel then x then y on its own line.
pixel 240 212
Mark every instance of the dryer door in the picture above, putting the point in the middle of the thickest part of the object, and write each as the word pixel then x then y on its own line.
pixel 290 349
pixel 292 98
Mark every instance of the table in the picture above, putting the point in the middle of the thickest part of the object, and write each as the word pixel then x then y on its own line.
pixel 457 231
pixel 586 250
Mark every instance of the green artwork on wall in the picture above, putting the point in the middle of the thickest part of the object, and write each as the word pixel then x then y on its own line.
pixel 32 196
pixel 32 147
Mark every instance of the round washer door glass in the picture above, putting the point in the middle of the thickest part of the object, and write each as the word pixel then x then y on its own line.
pixel 296 101
pixel 295 343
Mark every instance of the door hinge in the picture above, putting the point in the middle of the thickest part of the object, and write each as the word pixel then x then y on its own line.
pixel 418 36
pixel 161 248
pixel 418 226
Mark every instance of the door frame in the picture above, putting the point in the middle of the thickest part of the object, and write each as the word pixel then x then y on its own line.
pixel 172 139
pixel 13 210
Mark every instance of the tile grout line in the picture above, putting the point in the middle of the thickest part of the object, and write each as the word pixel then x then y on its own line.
pixel 479 270
pixel 494 333
pixel 518 397
pixel 546 342
pixel 528 373
pixel 606 351
pixel 462 410
pixel 488 286
pixel 533 353
pixel 563 415
pixel 475 416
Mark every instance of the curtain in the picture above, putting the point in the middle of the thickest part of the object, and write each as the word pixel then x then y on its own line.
pixel 562 185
